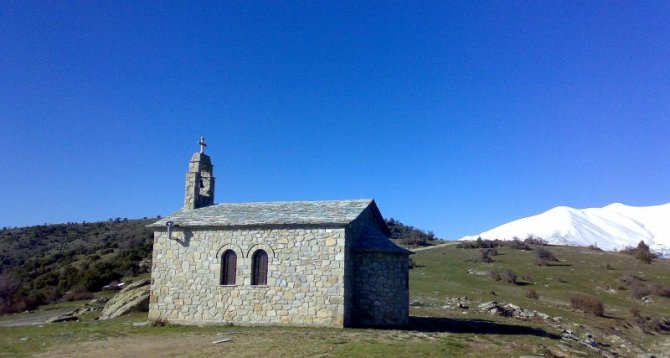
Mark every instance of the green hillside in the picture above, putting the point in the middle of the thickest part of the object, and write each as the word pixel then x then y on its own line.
pixel 41 264
pixel 628 326
pixel 558 301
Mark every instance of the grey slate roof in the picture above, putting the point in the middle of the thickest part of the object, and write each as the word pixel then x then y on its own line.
pixel 334 212
pixel 374 241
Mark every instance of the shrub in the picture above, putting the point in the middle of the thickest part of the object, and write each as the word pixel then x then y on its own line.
pixel 649 324
pixel 159 322
pixel 588 304
pixel 495 275
pixel 630 279
pixel 635 312
pixel 639 291
pixel 517 244
pixel 658 290
pixel 594 248
pixel 485 255
pixel 645 256
pixel 628 250
pixel 479 244
pixel 544 256
pixel 535 240
pixel 641 252
pixel 532 294
pixel 509 277
pixel 76 295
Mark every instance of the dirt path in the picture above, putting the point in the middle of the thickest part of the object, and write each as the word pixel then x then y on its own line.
pixel 32 318
pixel 434 246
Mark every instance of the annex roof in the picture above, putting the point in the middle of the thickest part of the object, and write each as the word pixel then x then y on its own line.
pixel 332 212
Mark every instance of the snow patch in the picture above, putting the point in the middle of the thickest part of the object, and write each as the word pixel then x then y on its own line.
pixel 610 228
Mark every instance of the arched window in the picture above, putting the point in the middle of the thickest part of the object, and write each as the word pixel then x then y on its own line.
pixel 228 267
pixel 259 268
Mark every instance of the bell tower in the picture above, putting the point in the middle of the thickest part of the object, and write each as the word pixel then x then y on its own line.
pixel 199 180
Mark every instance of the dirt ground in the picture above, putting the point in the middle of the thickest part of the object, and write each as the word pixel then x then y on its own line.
pixel 139 346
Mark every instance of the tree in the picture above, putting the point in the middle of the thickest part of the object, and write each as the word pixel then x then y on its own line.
pixel 643 253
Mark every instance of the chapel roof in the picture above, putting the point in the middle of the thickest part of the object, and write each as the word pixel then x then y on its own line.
pixel 331 212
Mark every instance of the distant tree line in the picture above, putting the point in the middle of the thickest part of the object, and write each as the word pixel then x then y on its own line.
pixel 48 263
pixel 408 235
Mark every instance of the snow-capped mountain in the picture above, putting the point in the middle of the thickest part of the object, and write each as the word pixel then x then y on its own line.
pixel 612 227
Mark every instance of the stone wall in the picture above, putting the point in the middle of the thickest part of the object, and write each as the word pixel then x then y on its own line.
pixel 305 277
pixel 380 294
pixel 376 288
pixel 199 182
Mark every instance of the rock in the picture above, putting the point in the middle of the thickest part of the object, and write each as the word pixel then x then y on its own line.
pixel 62 318
pixel 647 299
pixel 98 301
pixel 476 273
pixel 133 298
pixel 416 303
pixel 512 307
pixel 486 306
pixel 589 342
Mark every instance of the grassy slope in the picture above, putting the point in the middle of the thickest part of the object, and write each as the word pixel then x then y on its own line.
pixel 447 333
pixel 581 271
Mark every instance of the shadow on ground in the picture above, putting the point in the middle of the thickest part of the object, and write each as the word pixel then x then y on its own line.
pixel 443 324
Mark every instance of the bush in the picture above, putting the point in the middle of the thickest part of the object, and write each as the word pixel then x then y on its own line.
pixel 495 275
pixel 544 256
pixel 509 277
pixel 645 256
pixel 630 279
pixel 594 248
pixel 532 294
pixel 160 322
pixel 639 291
pixel 658 290
pixel 635 312
pixel 641 252
pixel 649 324
pixel 588 304
pixel 479 244
pixel 628 250
pixel 76 295
pixel 517 244
pixel 535 240
pixel 485 255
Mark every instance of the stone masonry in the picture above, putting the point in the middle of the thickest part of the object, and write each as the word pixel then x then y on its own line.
pixel 305 277
pixel 329 263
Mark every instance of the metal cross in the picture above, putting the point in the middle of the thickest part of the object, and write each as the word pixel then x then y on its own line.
pixel 202 144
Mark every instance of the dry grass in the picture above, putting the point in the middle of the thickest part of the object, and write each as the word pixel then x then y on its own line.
pixel 588 304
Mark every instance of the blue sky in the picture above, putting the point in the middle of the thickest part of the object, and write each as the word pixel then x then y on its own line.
pixel 455 116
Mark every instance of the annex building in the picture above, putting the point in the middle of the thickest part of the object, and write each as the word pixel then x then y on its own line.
pixel 305 263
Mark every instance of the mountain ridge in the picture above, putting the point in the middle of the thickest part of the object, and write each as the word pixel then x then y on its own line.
pixel 612 227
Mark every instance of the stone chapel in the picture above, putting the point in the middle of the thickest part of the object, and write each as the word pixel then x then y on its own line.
pixel 303 263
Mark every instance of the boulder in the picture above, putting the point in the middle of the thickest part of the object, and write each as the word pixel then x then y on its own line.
pixel 62 318
pixel 133 298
